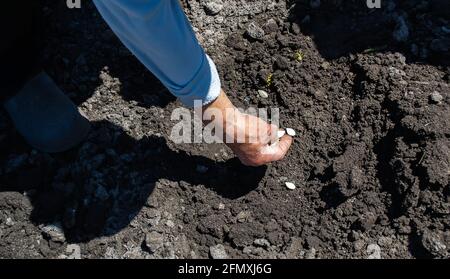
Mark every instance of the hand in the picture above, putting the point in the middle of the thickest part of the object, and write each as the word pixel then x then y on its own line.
pixel 254 141
pixel 259 149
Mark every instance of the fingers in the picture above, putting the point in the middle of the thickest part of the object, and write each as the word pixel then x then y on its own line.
pixel 276 151
pixel 283 147
pixel 268 153
pixel 268 148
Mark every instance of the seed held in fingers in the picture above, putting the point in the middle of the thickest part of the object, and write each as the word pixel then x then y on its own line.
pixel 290 185
pixel 290 132
pixel 281 133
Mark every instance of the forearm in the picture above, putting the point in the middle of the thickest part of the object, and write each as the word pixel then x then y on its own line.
pixel 159 34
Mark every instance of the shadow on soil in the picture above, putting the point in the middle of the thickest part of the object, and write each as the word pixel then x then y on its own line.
pixel 229 179
pixel 339 28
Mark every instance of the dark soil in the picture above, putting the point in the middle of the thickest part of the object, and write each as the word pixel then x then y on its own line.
pixel 369 101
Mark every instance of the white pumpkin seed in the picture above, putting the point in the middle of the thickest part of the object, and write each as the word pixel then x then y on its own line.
pixel 263 94
pixel 281 133
pixel 290 132
pixel 290 185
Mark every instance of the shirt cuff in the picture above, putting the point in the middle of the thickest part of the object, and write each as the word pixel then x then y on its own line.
pixel 203 89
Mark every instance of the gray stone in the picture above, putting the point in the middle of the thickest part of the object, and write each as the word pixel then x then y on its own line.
pixel 281 63
pixel 9 222
pixel 261 242
pixel 374 251
pixel 271 26
pixel 385 241
pixel 247 250
pixel 73 251
pixel 433 243
pixel 170 224
pixel 436 97
pixel 213 7
pixel 243 216
pixel 218 252
pixel 295 28
pixel 54 232
pixel 311 254
pixel 255 31
pixel 154 241
pixel 220 206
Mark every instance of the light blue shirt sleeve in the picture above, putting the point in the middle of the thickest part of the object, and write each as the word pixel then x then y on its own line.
pixel 159 34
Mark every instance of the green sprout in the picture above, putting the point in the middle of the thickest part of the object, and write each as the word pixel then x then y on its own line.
pixel 298 56
pixel 269 80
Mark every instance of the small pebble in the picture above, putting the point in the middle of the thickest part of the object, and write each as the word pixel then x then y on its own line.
pixel 254 31
pixel 433 243
pixel 213 7
pixel 271 26
pixel 436 98
pixel 243 216
pixel 54 232
pixel 290 185
pixel 170 224
pixel 9 221
pixel 74 251
pixel 218 252
pixel 261 242
pixel 290 132
pixel 154 241
pixel 374 252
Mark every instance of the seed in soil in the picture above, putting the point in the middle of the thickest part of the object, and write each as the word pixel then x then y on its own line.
pixel 263 94
pixel 290 185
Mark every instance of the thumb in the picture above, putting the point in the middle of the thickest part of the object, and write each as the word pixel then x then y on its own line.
pixel 277 150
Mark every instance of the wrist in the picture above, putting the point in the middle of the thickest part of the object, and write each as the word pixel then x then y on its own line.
pixel 222 105
pixel 225 117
